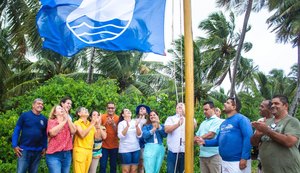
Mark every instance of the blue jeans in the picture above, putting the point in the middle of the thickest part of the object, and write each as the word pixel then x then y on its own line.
pixel 59 162
pixel 113 155
pixel 130 158
pixel 29 161
pixel 171 161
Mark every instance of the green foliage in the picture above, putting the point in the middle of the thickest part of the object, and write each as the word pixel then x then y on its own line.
pixel 250 106
pixel 91 96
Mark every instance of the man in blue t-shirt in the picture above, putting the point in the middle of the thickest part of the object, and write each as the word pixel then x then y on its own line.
pixel 32 143
pixel 233 139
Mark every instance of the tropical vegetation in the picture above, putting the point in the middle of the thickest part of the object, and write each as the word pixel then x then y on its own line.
pixel 94 76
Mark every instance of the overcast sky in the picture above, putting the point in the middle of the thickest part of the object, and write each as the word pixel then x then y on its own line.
pixel 266 53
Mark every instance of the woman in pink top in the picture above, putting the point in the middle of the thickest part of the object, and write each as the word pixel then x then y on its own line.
pixel 59 130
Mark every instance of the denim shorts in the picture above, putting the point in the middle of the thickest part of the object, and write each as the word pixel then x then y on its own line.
pixel 131 158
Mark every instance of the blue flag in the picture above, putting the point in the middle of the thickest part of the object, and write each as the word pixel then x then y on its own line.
pixel 67 26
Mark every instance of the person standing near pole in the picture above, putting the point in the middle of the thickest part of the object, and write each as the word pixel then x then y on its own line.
pixel 210 160
pixel 175 128
pixel 233 139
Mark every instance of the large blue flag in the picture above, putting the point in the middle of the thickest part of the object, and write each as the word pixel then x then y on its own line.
pixel 67 26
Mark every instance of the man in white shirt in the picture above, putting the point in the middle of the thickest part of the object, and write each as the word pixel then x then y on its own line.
pixel 175 127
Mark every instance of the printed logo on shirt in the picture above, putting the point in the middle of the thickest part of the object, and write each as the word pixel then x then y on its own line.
pixel 42 122
pixel 226 127
pixel 275 128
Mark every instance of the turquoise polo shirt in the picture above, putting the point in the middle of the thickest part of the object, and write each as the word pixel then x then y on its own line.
pixel 209 125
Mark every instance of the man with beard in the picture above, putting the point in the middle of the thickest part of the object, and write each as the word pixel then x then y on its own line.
pixel 110 145
pixel 278 139
pixel 233 139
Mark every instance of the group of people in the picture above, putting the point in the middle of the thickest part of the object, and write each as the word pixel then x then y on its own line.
pixel 225 144
pixel 91 139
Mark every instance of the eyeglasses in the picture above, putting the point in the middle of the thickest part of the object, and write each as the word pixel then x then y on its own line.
pixel 110 108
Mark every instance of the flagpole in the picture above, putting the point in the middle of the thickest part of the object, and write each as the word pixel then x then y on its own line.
pixel 189 89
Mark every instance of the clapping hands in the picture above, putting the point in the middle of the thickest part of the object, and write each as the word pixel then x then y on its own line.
pixel 199 140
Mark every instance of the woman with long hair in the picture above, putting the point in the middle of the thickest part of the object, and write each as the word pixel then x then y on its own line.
pixel 97 148
pixel 129 132
pixel 59 130
pixel 153 134
pixel 66 104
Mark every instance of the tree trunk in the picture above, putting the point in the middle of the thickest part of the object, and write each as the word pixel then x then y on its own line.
pixel 295 103
pixel 240 46
pixel 91 67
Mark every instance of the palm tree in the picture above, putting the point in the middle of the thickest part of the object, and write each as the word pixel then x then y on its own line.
pixel 219 49
pixel 19 17
pixel 32 74
pixel 238 4
pixel 131 72
pixel 286 25
pixel 216 57
pixel 91 53
pixel 176 69
pixel 5 61
pixel 276 82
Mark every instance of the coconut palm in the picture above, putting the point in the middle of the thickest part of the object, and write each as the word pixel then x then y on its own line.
pixel 276 82
pixel 219 49
pixel 131 72
pixel 241 6
pixel 176 69
pixel 286 25
pixel 5 61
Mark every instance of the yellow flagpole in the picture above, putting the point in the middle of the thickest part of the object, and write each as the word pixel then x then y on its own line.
pixel 189 89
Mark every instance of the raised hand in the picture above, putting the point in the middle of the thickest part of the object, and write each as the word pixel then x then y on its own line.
pixel 100 118
pixel 181 121
pixel 260 126
pixel 94 120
